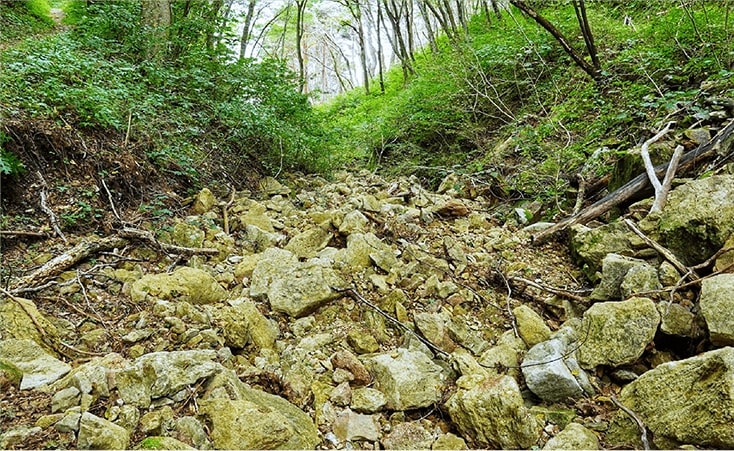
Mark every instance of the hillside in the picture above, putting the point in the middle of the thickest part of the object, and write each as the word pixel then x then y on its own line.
pixel 196 254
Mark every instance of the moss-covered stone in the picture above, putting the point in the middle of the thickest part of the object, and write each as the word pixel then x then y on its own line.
pixel 184 284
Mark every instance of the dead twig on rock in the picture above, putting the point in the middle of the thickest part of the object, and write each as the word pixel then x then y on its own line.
pixel 225 210
pixel 144 235
pixel 354 294
pixel 665 253
pixel 640 424
pixel 661 189
pixel 552 290
pixel 23 233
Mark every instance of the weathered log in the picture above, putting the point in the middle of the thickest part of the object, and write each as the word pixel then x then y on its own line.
pixel 638 185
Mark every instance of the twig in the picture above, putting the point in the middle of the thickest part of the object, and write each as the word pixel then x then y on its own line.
pixel 580 195
pixel 358 297
pixel 659 202
pixel 640 425
pixel 129 126
pixel 683 269
pixel 549 289
pixel 508 298
pixel 661 189
pixel 109 197
pixel 23 233
pixel 145 235
pixel 225 210
pixel 49 212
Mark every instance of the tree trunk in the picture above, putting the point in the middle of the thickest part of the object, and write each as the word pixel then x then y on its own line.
pixel 300 28
pixel 580 8
pixel 247 28
pixel 156 17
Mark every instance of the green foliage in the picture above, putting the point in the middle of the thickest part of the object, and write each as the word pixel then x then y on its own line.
pixel 9 163
pixel 198 111
pixel 19 19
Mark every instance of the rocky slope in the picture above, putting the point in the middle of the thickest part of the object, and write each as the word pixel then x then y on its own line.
pixel 366 313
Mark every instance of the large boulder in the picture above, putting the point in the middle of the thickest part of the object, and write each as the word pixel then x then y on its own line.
pixel 21 319
pixel 242 323
pixel 160 374
pixel 615 269
pixel 616 333
pixel 698 218
pixel 184 284
pixel 409 379
pixel 242 417
pixel 717 305
pixel 552 372
pixel 309 242
pixel 30 359
pixel 98 433
pixel 490 411
pixel 590 246
pixel 689 402
pixel 293 287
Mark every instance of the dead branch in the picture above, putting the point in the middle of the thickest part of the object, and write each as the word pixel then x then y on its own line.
pixel 683 269
pixel 144 235
pixel 640 425
pixel 552 290
pixel 353 293
pixel 225 210
pixel 109 197
pixel 661 189
pixel 23 233
pixel 56 266
pixel 638 185
pixel 48 211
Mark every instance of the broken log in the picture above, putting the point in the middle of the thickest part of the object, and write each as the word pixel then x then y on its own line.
pixel 638 185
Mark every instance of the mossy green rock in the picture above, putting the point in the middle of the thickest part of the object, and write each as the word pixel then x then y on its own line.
pixel 717 305
pixel 245 418
pixel 698 218
pixel 590 246
pixel 574 436
pixel 689 401
pixel 614 271
pixel 187 235
pixel 98 433
pixel 184 284
pixel 309 242
pixel 530 326
pixel 617 332
pixel 162 443
pixel 203 202
pixel 19 319
pixel 491 412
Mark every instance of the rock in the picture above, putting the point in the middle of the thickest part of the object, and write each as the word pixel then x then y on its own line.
pixel 98 433
pixel 190 429
pixel 367 400
pixel 341 395
pixel 452 208
pixel 184 284
pixel 689 402
pixel 617 332
pixel 411 435
pixel 354 222
pixel 37 366
pixel 15 437
pixel 717 304
pixel 530 326
pixel 725 260
pixel 362 342
pixel 187 235
pixel 245 418
pixel 204 202
pixel 590 246
pixel 293 287
pixel 350 426
pixel 64 399
pixel 491 412
pixel 19 319
pixel 552 373
pixel 574 436
pixel 157 422
pixel 241 323
pixel 675 319
pixel 698 218
pixel 348 361
pixel 449 441
pixel 257 240
pixel 614 270
pixel 256 216
pixel 433 327
pixel 161 374
pixel 309 242
pixel 162 443
pixel 273 187
pixel 70 422
pixel 365 248
pixel 409 379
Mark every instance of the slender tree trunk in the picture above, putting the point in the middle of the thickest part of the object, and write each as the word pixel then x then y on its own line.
pixel 580 8
pixel 380 62
pixel 247 27
pixel 429 26
pixel 300 28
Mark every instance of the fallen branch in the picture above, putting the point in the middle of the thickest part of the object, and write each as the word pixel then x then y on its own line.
pixel 683 269
pixel 552 290
pixel 109 197
pixel 57 265
pixel 640 425
pixel 225 210
pixel 637 186
pixel 358 297
pixel 661 189
pixel 144 235
pixel 23 233
pixel 49 212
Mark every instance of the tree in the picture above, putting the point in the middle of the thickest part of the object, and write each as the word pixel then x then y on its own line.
pixel 248 27
pixel 300 30
pixel 357 26
pixel 155 15
pixel 593 69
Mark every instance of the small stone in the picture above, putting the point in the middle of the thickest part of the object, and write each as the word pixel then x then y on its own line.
pixel 530 326
pixel 65 399
pixel 362 342
pixel 574 436
pixel 341 395
pixel 449 441
pixel 368 400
